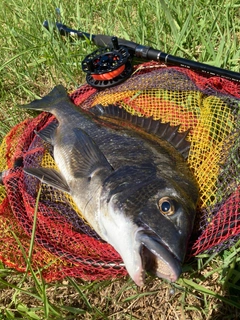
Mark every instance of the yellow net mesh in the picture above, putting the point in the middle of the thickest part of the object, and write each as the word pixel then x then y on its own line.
pixel 65 244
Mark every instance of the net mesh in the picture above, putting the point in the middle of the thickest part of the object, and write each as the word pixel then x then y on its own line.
pixel 65 245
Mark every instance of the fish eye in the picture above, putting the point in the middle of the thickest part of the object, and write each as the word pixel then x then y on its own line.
pixel 166 206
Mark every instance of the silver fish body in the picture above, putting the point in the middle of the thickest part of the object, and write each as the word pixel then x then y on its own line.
pixel 133 187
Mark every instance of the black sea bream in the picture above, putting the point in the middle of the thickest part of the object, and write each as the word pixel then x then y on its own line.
pixel 132 185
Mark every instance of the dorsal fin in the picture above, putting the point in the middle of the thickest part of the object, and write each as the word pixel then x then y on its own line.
pixel 162 130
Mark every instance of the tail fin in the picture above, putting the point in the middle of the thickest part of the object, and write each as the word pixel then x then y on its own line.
pixel 51 100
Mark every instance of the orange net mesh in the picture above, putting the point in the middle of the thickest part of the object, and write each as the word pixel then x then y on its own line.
pixel 65 245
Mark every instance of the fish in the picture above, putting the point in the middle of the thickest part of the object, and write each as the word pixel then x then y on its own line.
pixel 131 182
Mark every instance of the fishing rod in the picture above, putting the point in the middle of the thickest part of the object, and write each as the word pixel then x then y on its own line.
pixel 111 64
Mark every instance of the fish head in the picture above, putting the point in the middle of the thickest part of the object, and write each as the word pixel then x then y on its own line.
pixel 151 224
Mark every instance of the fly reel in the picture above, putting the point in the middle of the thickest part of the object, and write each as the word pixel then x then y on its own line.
pixel 108 66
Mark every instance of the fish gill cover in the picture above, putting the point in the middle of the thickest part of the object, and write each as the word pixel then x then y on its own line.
pixel 65 245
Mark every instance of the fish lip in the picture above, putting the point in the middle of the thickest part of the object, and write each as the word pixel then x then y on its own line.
pixel 156 257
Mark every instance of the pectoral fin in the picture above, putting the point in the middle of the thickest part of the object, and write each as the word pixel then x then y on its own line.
pixel 86 158
pixel 49 176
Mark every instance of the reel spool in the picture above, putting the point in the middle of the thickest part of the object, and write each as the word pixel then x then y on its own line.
pixel 107 67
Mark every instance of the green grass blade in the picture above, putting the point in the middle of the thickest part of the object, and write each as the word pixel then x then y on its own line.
pixel 81 294
pixel 172 22
pixel 209 292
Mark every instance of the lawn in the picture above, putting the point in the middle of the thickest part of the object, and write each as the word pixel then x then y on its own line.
pixel 32 61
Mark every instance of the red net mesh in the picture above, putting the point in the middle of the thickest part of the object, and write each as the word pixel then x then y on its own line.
pixel 65 245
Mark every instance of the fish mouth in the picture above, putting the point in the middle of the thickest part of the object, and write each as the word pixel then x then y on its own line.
pixel 156 258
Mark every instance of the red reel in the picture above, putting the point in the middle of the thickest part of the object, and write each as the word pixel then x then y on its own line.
pixel 107 67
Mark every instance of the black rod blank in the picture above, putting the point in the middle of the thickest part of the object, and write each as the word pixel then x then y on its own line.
pixel 148 52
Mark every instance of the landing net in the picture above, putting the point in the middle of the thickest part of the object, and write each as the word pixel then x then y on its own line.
pixel 65 245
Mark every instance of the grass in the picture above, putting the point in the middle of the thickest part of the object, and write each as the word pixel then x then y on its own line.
pixel 32 61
